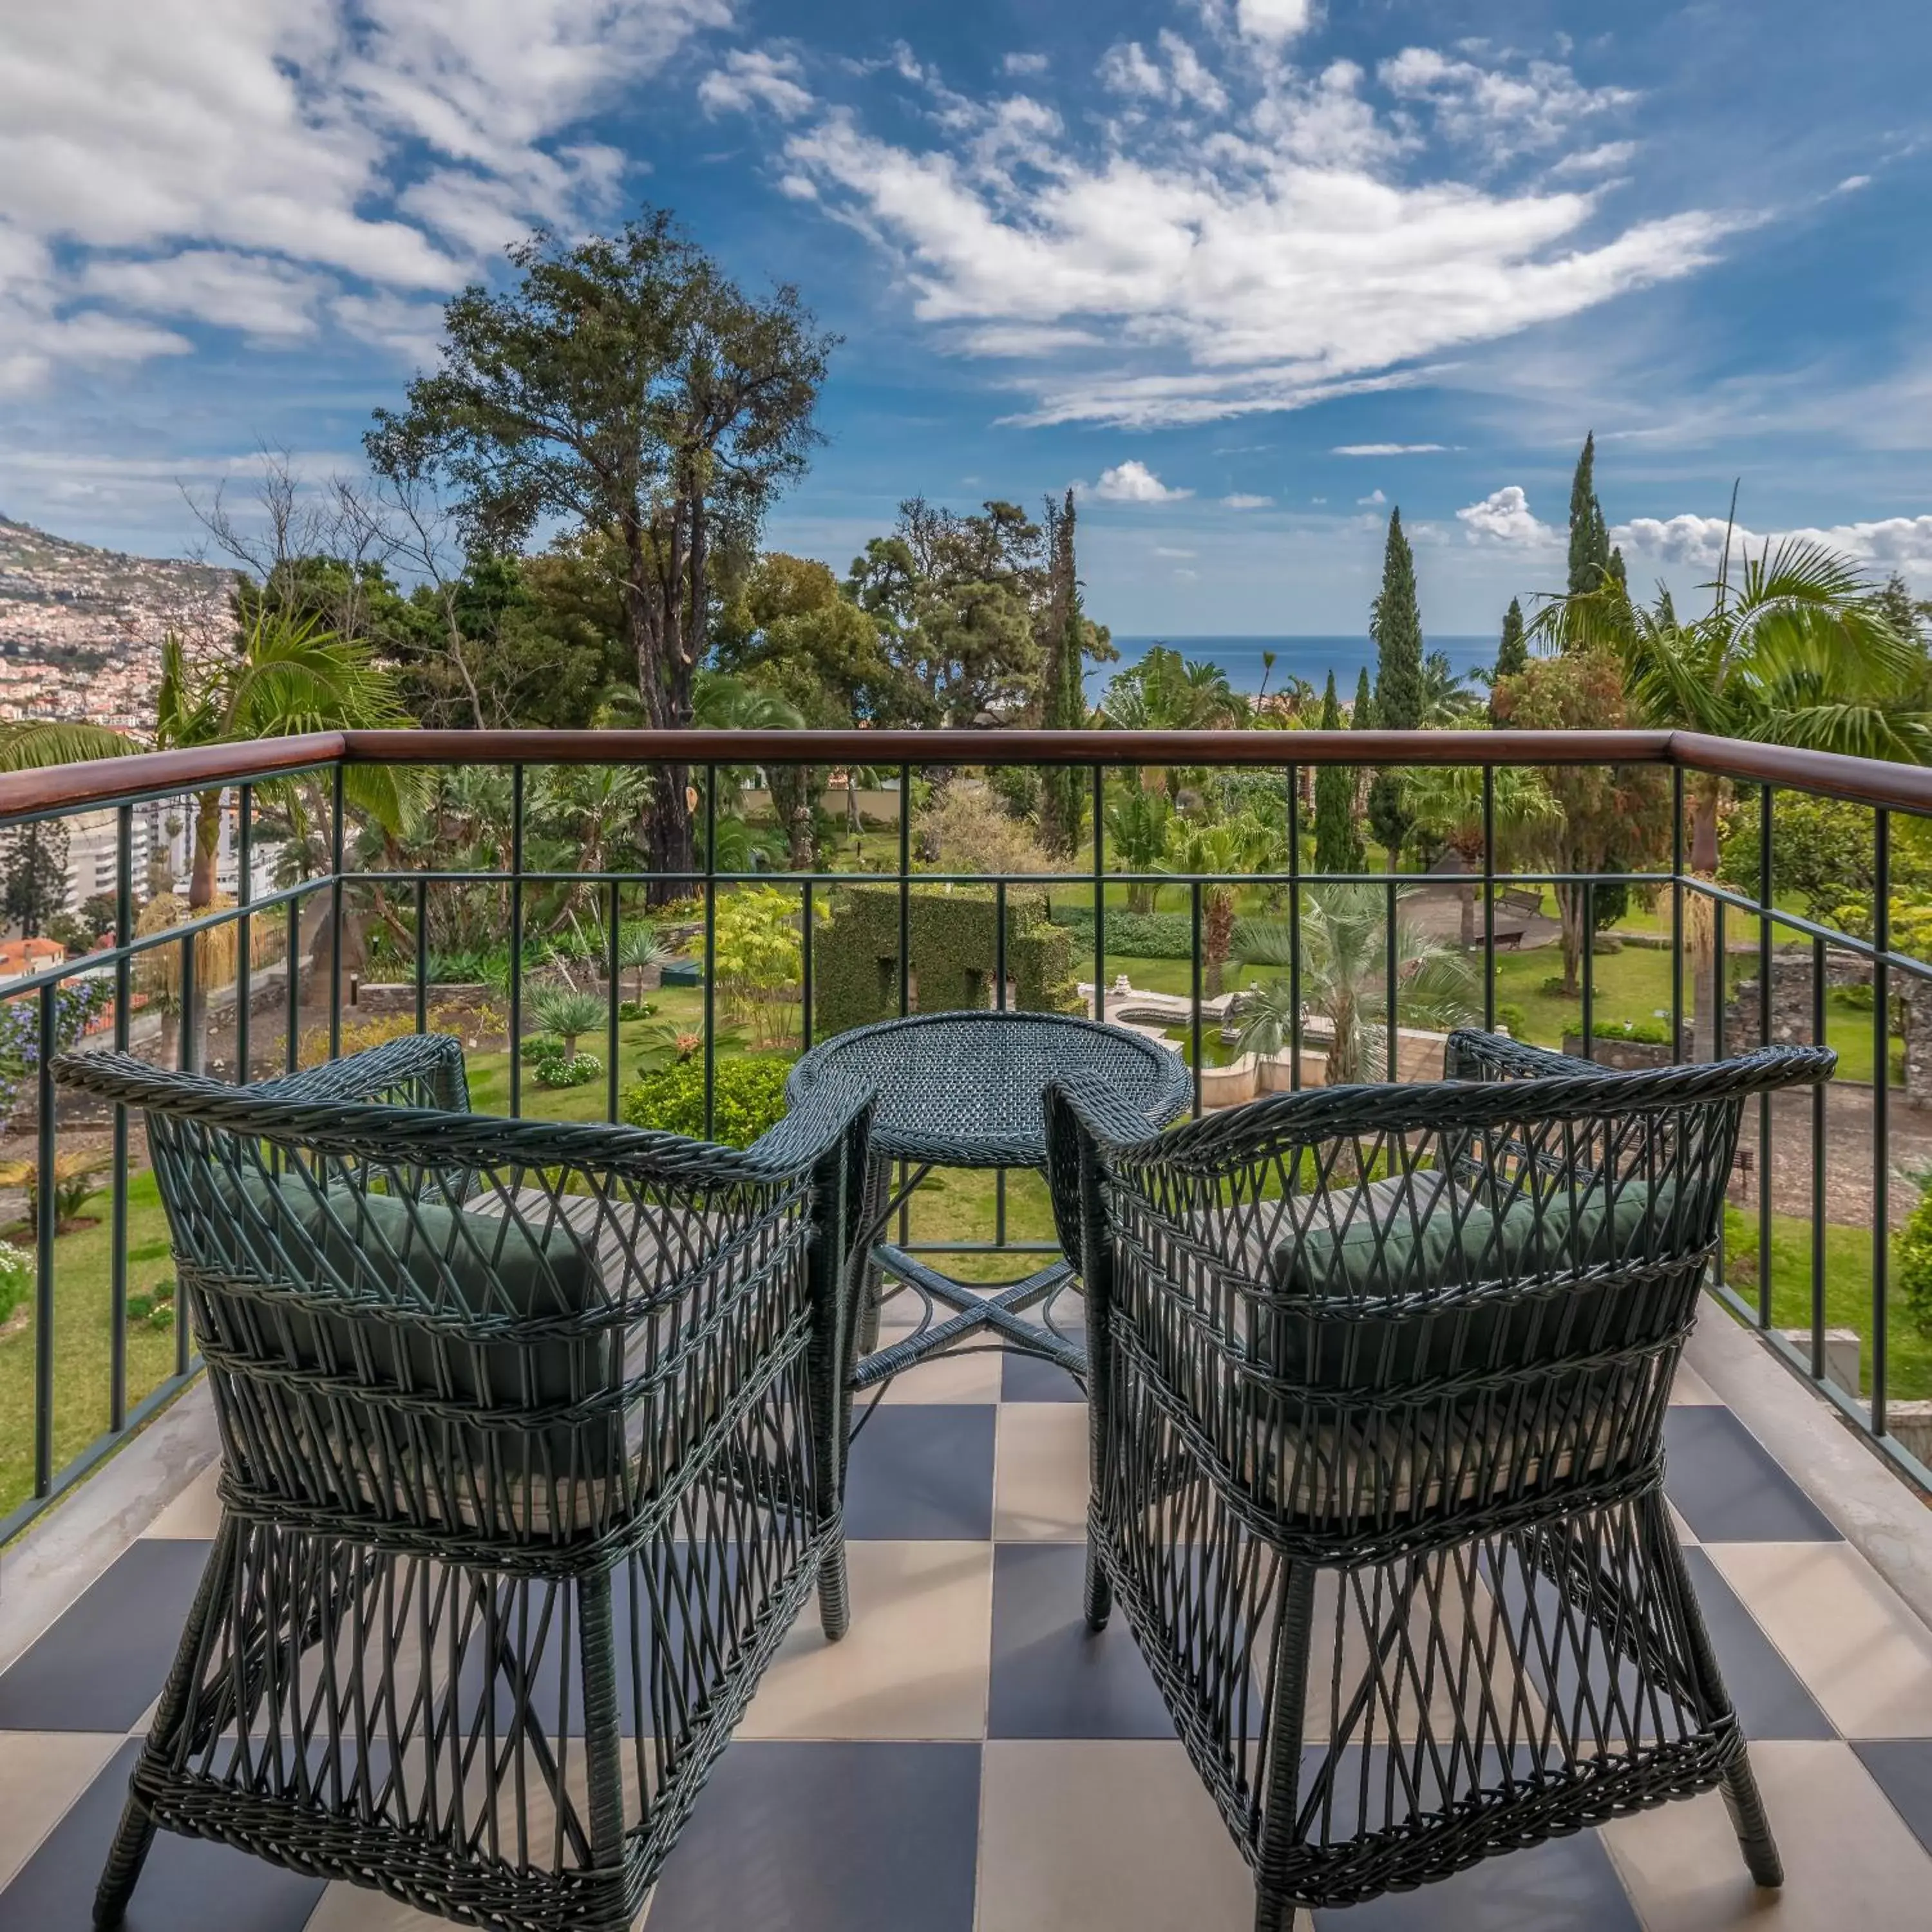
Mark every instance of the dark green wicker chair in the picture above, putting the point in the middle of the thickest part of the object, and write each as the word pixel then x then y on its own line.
pixel 531 1456
pixel 1377 1385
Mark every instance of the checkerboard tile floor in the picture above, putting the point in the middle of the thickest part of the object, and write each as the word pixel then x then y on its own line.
pixel 969 1757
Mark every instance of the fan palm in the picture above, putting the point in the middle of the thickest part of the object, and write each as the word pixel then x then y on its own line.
pixel 1797 649
pixel 564 1011
pixel 1345 942
pixel 639 948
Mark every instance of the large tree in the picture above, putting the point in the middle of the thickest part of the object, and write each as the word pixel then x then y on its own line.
pixel 1066 644
pixel 624 385
pixel 1608 816
pixel 1593 561
pixel 1395 626
pixel 33 875
pixel 1338 833
pixel 1512 652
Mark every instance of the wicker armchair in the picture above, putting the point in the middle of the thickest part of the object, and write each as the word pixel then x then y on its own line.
pixel 531 1455
pixel 1377 1385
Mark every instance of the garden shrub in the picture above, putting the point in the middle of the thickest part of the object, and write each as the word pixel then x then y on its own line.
pixel 749 1098
pixel 1515 1019
pixel 557 1069
pixel 1140 935
pixel 1913 1270
pixel 1643 1033
pixel 17 1279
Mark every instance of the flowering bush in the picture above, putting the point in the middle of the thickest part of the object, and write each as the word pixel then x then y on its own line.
pixel 77 1002
pixel 560 1070
pixel 17 1279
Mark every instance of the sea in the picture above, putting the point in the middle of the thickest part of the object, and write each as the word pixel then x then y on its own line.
pixel 1304 657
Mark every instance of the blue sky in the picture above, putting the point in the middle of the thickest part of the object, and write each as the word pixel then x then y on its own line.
pixel 1244 272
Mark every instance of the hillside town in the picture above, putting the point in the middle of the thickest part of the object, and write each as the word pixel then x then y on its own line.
pixel 81 628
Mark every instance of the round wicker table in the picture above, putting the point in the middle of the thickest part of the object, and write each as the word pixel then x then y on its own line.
pixel 965 1089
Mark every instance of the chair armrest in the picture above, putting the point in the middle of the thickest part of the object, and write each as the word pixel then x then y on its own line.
pixel 420 1070
pixel 1474 1055
pixel 1082 1113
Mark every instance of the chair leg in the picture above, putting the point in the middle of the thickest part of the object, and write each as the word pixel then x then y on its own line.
pixel 1742 1799
pixel 603 1736
pixel 1099 1591
pixel 834 1592
pixel 136 1834
pixel 1294 1634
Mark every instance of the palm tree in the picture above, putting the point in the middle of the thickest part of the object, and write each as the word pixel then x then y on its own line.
pixel 639 949
pixel 1344 971
pixel 1798 649
pixel 1165 692
pixel 1447 698
pixel 1230 845
pixel 1446 802
pixel 1137 824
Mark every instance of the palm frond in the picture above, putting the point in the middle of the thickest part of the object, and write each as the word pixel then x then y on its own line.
pixel 33 744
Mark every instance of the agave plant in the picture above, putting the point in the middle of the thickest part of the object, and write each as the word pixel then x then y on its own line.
pixel 565 1012
pixel 639 948
pixel 1345 975
pixel 74 1178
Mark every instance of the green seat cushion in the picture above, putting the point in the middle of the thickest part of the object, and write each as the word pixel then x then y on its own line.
pixel 1442 1268
pixel 430 1259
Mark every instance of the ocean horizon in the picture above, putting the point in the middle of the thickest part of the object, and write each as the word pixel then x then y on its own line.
pixel 1312 658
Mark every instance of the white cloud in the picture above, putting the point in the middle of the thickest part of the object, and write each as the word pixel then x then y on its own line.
pixel 1025 64
pixel 1241 500
pixel 1273 241
pixel 1851 184
pixel 1165 550
pixel 1388 448
pixel 1890 543
pixel 1274 21
pixel 1601 160
pixel 1373 497
pixel 753 78
pixel 1504 516
pixel 233 161
pixel 1506 112
pixel 1133 482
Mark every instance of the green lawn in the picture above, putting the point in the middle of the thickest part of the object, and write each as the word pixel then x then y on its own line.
pixel 83 1339
pixel 1848 1292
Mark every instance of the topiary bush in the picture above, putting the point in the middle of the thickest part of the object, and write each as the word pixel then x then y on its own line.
pixel 748 1098
pixel 1912 1270
pixel 1140 935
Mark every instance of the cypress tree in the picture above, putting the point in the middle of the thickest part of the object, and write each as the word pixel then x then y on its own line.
pixel 1593 561
pixel 1363 718
pixel 1338 837
pixel 1396 625
pixel 1063 696
pixel 1512 654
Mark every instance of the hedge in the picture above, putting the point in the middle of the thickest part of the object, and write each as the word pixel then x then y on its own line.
pixel 1139 935
pixel 747 1098
pixel 856 965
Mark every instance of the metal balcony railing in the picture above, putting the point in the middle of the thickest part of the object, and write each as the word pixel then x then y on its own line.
pixel 98 1369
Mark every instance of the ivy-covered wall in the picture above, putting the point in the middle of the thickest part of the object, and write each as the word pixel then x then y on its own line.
pixel 855 962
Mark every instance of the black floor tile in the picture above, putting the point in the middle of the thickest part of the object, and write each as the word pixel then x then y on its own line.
pixel 1728 1487
pixel 103 1662
pixel 1771 1699
pixel 828 1837
pixel 922 1473
pixel 1567 1884
pixel 1052 1677
pixel 1904 1768
pixel 1033 1378
pixel 189 1884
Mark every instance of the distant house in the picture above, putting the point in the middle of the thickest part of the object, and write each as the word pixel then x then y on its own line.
pixel 20 957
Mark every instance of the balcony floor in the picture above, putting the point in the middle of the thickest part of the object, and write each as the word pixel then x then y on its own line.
pixel 970 1757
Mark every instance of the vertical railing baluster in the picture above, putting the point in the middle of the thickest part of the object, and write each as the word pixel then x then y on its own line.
pixel 291 1045
pixel 1000 1006
pixel 1676 914
pixel 1765 933
pixel 422 956
pixel 1099 894
pixel 613 913
pixel 244 965
pixel 1489 898
pixel 1818 1173
pixel 1294 928
pixel 710 951
pixel 336 849
pixel 123 994
pixel 516 941
pixel 905 890
pixel 1881 1106
pixel 184 1058
pixel 1589 967
pixel 1717 1053
pixel 1391 989
pixel 1194 1014
pixel 43 1251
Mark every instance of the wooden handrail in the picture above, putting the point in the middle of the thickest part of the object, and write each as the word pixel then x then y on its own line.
pixel 107 781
